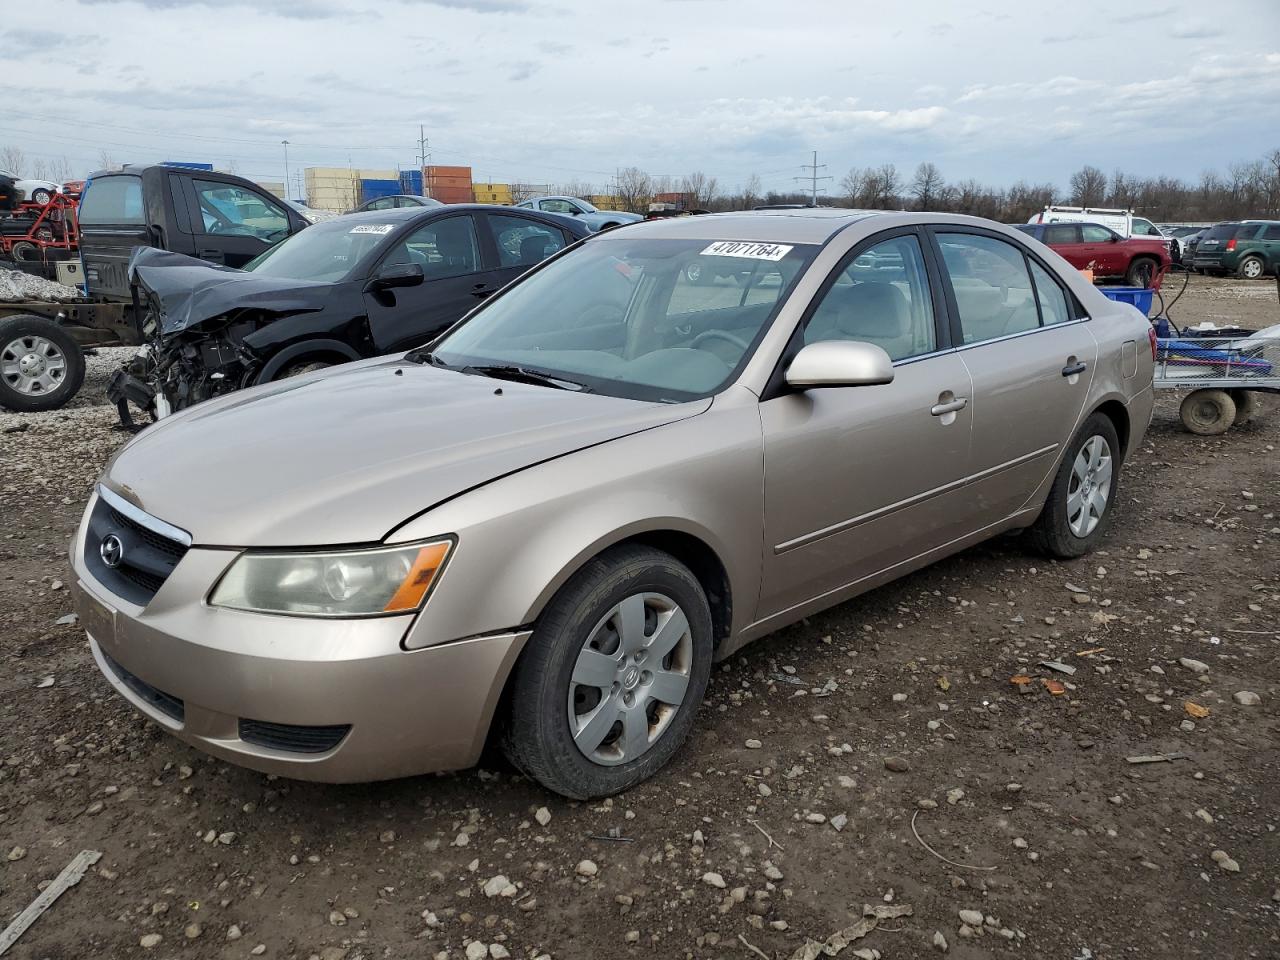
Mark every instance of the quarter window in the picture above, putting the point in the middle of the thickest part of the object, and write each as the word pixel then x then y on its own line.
pixel 524 242
pixel 1053 301
pixel 991 285
pixel 881 297
pixel 230 210
pixel 443 248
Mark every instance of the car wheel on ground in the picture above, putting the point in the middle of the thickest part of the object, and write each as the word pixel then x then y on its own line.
pixel 1251 268
pixel 1141 272
pixel 1247 404
pixel 1078 510
pixel 608 686
pixel 41 366
pixel 1208 412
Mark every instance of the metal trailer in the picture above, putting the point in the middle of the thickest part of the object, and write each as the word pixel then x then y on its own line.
pixel 1222 375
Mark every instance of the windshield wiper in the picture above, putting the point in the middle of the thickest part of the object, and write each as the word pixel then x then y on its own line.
pixel 503 371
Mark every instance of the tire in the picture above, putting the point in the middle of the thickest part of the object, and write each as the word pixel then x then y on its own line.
pixel 1251 268
pixel 41 366
pixel 41 195
pixel 24 251
pixel 1073 521
pixel 552 689
pixel 1141 272
pixel 1208 413
pixel 300 367
pixel 1248 405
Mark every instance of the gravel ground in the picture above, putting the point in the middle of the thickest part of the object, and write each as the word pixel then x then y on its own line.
pixel 826 758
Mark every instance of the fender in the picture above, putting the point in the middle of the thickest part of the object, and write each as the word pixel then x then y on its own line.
pixel 303 348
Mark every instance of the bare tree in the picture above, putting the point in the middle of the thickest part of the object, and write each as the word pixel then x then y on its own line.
pixel 635 188
pixel 853 184
pixel 520 192
pixel 60 170
pixel 576 188
pixel 926 186
pixel 13 160
pixel 702 190
pixel 1088 187
pixel 107 162
pixel 751 192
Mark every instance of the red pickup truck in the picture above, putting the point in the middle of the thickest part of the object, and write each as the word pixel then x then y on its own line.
pixel 1139 261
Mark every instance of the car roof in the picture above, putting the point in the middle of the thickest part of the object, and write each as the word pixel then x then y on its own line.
pixel 397 214
pixel 808 225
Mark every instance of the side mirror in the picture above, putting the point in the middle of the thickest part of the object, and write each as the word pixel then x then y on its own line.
pixel 839 363
pixel 1115 238
pixel 394 275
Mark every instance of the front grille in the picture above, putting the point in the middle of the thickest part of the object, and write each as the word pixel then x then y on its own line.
pixel 166 703
pixel 147 557
pixel 292 738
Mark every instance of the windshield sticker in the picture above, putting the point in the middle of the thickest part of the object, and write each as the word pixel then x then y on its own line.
pixel 747 250
pixel 378 228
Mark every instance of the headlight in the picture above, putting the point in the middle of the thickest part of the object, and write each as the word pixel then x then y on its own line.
pixel 347 583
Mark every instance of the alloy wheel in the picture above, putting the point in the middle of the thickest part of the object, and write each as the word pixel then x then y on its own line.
pixel 32 365
pixel 1090 486
pixel 630 679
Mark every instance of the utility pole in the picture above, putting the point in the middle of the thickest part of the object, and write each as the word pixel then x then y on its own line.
pixel 813 176
pixel 422 158
pixel 285 144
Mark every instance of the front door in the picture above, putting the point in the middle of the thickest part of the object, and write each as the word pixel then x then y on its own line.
pixel 455 280
pixel 1031 357
pixel 1104 248
pixel 858 479
pixel 235 224
pixel 520 243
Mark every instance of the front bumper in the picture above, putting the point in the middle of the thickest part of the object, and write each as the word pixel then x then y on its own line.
pixel 219 678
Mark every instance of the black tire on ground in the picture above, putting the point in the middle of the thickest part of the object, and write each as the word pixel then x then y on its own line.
pixel 21 337
pixel 1051 533
pixel 538 738
pixel 24 251
pixel 1208 413
pixel 1248 404
pixel 1251 268
pixel 1141 272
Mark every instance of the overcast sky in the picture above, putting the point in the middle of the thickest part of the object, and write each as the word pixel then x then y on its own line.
pixel 573 89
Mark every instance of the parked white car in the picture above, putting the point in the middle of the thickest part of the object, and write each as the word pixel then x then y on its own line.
pixel 37 191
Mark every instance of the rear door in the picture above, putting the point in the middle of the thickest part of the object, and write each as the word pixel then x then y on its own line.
pixel 232 223
pixel 519 243
pixel 448 249
pixel 1031 357
pixel 113 220
pixel 1065 238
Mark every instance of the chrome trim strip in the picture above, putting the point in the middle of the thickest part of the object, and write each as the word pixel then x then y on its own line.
pixel 844 525
pixel 144 519
pixel 1022 333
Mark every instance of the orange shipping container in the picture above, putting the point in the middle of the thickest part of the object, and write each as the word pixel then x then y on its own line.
pixel 437 171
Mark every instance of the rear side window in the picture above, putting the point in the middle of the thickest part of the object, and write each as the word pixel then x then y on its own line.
pixel 991 284
pixel 113 200
pixel 1053 301
pixel 522 242
pixel 1061 233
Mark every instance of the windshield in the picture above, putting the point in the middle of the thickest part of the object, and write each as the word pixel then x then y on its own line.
pixel 648 319
pixel 329 250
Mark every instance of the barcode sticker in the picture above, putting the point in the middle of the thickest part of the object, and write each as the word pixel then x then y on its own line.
pixel 378 228
pixel 747 250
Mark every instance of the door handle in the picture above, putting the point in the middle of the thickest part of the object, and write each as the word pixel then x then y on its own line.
pixel 1071 369
pixel 482 290
pixel 213 256
pixel 951 406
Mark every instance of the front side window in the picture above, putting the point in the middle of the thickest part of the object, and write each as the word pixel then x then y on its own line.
pixel 523 242
pixel 1145 228
pixel 882 297
pixel 1061 233
pixel 633 317
pixel 991 285
pixel 1094 234
pixel 233 211
pixel 559 206
pixel 384 203
pixel 115 200
pixel 1272 232
pixel 443 248
pixel 1053 300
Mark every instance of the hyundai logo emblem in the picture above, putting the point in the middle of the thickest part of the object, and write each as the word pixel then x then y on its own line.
pixel 111 550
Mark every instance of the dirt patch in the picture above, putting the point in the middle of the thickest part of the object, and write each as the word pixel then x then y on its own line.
pixel 887 717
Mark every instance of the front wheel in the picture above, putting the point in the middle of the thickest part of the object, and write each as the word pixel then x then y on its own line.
pixel 1251 268
pixel 41 366
pixel 41 195
pixel 1078 509
pixel 609 684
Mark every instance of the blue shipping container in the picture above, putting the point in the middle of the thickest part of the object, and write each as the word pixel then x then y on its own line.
pixel 411 182
pixel 373 189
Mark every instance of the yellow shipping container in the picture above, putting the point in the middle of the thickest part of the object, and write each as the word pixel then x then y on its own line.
pixel 605 201
pixel 499 193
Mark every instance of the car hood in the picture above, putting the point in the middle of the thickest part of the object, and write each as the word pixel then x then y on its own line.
pixel 187 291
pixel 347 455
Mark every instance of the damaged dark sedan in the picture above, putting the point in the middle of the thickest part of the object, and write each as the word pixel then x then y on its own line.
pixel 341 290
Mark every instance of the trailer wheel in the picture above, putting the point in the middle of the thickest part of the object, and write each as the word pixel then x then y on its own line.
pixel 24 251
pixel 1248 404
pixel 41 366
pixel 1208 412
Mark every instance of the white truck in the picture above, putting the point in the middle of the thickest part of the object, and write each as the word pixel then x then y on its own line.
pixel 1123 222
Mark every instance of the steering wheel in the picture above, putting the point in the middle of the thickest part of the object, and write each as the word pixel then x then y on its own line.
pixel 706 335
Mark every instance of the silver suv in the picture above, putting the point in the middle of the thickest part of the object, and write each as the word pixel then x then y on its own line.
pixel 548 524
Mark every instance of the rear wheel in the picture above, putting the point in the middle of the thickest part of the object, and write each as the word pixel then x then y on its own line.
pixel 1142 271
pixel 41 195
pixel 1078 509
pixel 41 366
pixel 1247 404
pixel 1208 413
pixel 609 684
pixel 1251 268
